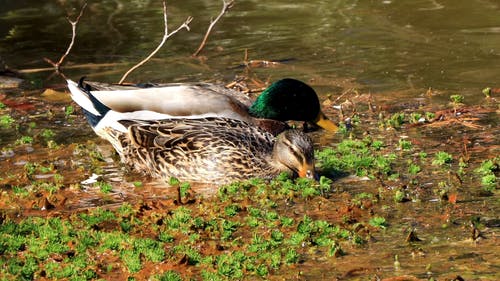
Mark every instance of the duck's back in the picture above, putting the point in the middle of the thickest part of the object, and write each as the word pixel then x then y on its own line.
pixel 175 99
pixel 217 150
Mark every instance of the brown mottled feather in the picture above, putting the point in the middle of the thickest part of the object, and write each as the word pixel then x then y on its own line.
pixel 216 150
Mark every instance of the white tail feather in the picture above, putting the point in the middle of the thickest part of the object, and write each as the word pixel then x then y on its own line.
pixel 81 98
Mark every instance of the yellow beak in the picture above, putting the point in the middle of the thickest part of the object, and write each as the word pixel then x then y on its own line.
pixel 325 123
pixel 307 171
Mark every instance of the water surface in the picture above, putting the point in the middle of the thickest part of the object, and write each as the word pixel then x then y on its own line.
pixel 384 45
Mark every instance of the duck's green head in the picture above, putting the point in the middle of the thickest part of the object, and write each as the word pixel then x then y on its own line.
pixel 291 99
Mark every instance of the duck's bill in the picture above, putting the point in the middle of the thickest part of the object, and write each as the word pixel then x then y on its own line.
pixel 325 123
pixel 307 171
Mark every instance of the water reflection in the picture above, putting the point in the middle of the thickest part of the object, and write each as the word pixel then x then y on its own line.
pixel 385 45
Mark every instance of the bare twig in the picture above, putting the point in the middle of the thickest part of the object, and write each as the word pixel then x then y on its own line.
pixel 225 8
pixel 57 65
pixel 166 35
pixel 73 66
pixel 348 91
pixel 245 58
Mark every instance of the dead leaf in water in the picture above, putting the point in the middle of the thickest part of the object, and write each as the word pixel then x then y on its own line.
pixel 22 104
pixel 452 198
pixel 57 96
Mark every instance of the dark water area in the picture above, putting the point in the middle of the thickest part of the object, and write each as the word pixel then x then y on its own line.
pixel 382 45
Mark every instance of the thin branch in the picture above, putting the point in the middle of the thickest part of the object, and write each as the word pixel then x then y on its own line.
pixel 166 35
pixel 73 66
pixel 57 65
pixel 225 8
pixel 348 91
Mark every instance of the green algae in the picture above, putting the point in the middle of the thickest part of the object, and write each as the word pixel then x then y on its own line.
pixel 253 229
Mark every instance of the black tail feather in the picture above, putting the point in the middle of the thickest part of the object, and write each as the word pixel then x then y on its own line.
pixel 98 105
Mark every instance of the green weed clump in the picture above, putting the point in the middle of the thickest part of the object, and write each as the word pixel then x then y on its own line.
pixel 405 144
pixel 30 246
pixel 104 187
pixel 457 99
pixel 441 158
pixel 361 157
pixel 68 111
pixel 170 275
pixel 488 171
pixel 396 120
pixel 6 121
pixel 24 140
pixel 47 135
pixel 379 222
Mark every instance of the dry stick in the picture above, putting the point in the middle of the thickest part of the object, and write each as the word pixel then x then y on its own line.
pixel 73 66
pixel 225 8
pixel 343 94
pixel 57 65
pixel 166 35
